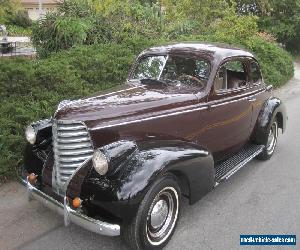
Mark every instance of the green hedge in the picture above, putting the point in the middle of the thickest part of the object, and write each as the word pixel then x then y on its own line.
pixel 276 63
pixel 31 89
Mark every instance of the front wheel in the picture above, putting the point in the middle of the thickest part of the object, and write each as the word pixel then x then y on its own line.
pixel 157 216
pixel 271 143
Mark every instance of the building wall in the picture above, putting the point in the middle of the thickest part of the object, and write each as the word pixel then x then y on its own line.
pixel 34 12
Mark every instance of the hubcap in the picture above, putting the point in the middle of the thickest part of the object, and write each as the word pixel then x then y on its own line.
pixel 272 138
pixel 162 216
pixel 159 214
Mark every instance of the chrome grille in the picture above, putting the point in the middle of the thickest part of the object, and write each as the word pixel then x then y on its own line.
pixel 72 146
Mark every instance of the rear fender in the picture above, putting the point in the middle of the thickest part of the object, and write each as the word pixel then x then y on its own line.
pixel 273 108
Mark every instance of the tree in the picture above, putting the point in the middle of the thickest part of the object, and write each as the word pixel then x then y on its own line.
pixel 283 21
pixel 8 8
pixel 186 17
pixel 201 11
pixel 85 22
pixel 253 7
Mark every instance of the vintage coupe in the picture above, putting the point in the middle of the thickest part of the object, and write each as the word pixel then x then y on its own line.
pixel 188 117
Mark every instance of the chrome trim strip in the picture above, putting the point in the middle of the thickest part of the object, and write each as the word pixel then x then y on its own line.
pixel 180 112
pixel 70 215
pixel 235 98
pixel 150 118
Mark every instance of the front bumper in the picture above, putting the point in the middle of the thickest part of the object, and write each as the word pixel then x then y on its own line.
pixel 70 215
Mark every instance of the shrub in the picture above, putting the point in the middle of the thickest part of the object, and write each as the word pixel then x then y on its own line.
pixel 276 63
pixel 14 30
pixel 8 8
pixel 31 89
pixel 80 22
pixel 21 19
pixel 55 33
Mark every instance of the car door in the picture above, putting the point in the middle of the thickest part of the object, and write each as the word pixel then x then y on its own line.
pixel 229 109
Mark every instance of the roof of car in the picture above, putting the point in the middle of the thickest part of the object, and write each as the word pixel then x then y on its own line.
pixel 220 51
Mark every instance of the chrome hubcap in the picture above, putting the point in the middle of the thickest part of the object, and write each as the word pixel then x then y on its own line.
pixel 272 138
pixel 162 216
pixel 159 214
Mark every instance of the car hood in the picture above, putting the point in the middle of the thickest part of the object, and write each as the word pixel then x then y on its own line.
pixel 131 102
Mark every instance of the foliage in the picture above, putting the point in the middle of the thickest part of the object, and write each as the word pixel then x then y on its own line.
pixel 239 28
pixel 283 21
pixel 31 89
pixel 253 7
pixel 8 8
pixel 11 14
pixel 88 22
pixel 276 63
pixel 16 20
pixel 89 45
pixel 14 30
pixel 55 33
pixel 201 12
pixel 21 19
pixel 279 18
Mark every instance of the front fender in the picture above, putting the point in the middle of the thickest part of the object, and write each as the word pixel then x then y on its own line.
pixel 121 192
pixel 273 107
pixel 34 156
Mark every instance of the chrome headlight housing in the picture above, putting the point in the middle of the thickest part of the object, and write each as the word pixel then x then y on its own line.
pixel 30 134
pixel 100 162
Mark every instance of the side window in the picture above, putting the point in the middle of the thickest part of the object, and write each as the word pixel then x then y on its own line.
pixel 255 73
pixel 231 75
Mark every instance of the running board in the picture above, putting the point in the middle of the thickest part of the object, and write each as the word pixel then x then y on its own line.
pixel 229 167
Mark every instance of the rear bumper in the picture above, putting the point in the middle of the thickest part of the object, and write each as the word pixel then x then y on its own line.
pixel 70 215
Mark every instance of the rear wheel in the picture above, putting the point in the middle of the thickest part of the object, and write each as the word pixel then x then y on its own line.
pixel 271 143
pixel 157 216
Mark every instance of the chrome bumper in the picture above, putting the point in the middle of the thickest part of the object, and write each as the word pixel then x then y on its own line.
pixel 70 215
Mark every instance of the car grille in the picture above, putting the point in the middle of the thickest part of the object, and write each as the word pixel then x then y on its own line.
pixel 72 147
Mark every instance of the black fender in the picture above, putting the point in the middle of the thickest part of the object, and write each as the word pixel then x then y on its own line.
pixel 272 108
pixel 43 129
pixel 34 156
pixel 121 191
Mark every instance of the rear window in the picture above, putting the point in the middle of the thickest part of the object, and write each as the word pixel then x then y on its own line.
pixel 255 73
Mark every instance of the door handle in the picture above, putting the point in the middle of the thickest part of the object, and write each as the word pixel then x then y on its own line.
pixel 251 99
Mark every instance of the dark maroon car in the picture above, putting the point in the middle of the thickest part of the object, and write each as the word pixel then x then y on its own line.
pixel 188 117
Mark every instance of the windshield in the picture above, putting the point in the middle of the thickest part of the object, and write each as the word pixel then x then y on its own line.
pixel 172 70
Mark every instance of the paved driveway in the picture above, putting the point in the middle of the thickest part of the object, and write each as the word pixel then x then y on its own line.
pixel 262 198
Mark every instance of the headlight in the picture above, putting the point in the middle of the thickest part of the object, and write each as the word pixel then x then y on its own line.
pixel 100 162
pixel 30 134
